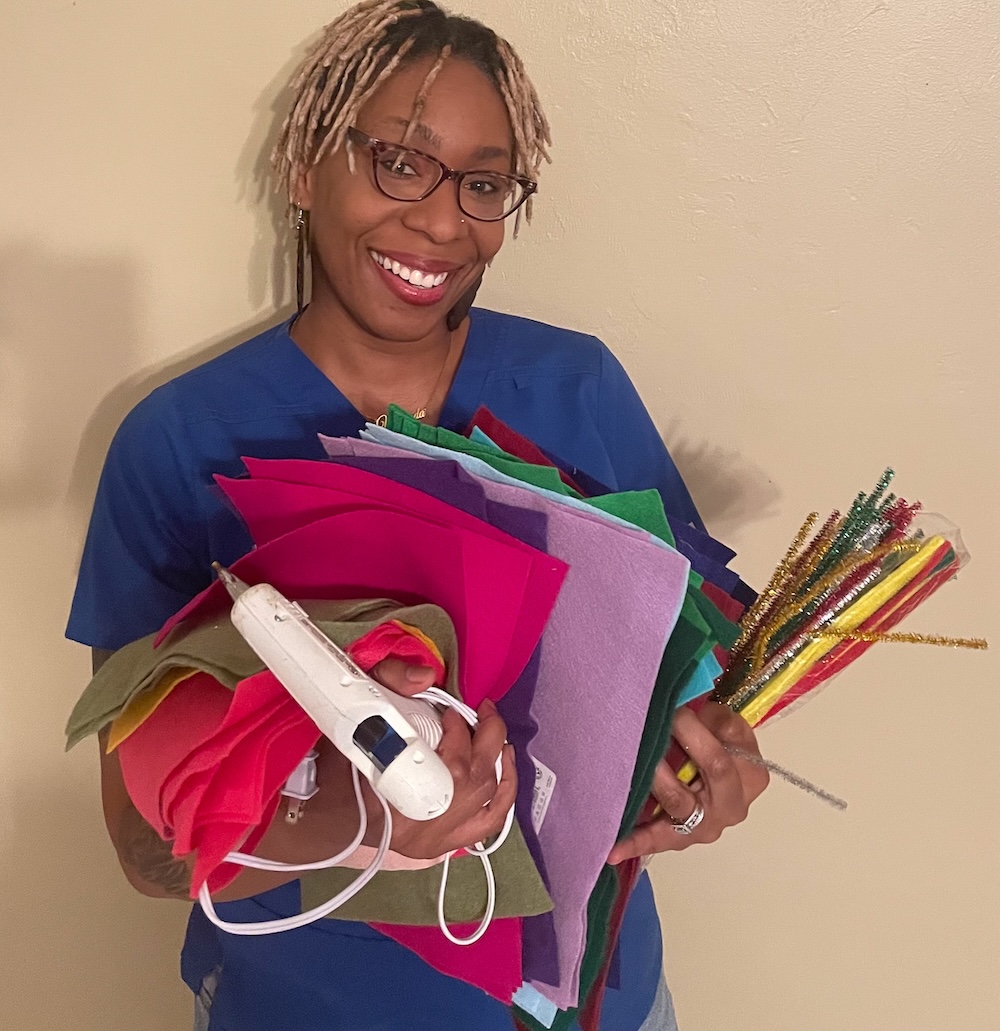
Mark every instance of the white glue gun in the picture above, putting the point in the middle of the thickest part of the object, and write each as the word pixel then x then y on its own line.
pixel 373 727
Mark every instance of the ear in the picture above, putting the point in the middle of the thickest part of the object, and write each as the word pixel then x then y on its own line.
pixel 302 191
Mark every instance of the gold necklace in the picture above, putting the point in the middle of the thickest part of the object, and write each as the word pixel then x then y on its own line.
pixel 421 412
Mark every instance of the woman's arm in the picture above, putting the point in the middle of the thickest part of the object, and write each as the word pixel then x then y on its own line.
pixel 327 826
pixel 330 819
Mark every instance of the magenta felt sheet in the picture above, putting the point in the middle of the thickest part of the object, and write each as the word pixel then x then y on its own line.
pixel 609 627
pixel 497 591
pixel 284 495
pixel 493 963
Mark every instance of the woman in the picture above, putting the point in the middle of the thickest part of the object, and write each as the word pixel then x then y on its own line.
pixel 396 97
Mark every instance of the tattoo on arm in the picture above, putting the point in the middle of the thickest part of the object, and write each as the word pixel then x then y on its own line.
pixel 142 849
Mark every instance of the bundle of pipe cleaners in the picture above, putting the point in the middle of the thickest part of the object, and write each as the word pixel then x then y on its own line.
pixel 834 595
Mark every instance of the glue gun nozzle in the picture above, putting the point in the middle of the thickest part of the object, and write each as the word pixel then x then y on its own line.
pixel 233 584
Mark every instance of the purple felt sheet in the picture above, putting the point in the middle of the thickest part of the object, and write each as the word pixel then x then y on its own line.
pixel 449 482
pixel 609 627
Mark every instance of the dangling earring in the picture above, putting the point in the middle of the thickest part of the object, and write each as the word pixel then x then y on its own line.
pixel 301 242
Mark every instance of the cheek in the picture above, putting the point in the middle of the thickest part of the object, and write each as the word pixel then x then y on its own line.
pixel 489 240
pixel 346 206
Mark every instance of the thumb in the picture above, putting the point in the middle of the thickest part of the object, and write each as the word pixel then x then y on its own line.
pixel 401 677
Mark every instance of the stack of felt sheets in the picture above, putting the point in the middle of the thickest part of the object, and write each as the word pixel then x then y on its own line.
pixel 587 616
pixel 588 620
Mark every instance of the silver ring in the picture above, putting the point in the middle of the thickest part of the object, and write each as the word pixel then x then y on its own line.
pixel 688 825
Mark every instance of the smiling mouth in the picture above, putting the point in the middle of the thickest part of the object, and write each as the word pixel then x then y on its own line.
pixel 421 280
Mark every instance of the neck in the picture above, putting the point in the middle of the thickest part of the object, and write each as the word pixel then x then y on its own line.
pixel 372 372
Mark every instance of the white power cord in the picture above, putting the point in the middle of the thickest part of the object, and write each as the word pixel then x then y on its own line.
pixel 290 923
pixel 434 695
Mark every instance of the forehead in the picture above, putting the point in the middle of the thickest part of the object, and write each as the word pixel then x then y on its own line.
pixel 463 112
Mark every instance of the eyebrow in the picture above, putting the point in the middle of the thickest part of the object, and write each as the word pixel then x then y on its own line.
pixel 428 136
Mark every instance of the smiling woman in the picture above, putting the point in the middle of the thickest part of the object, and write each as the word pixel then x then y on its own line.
pixel 388 268
pixel 354 227
pixel 398 239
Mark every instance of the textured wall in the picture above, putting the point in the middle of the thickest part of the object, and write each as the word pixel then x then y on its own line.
pixel 781 215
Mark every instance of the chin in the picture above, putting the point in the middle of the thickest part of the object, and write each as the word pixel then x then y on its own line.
pixel 408 325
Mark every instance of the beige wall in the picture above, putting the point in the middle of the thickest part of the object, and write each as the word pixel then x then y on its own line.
pixel 782 215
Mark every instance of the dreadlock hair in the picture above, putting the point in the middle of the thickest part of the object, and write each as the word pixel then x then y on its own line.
pixel 363 47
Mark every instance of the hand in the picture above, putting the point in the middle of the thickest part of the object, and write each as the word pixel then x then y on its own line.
pixel 725 786
pixel 480 804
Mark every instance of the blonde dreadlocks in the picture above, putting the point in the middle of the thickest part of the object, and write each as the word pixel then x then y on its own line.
pixel 363 47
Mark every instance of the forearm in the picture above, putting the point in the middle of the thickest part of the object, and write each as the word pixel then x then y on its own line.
pixel 329 823
pixel 147 860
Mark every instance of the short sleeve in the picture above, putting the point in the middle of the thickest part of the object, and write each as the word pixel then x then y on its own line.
pixel 636 449
pixel 145 554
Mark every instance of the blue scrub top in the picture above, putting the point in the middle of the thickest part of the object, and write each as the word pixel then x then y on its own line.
pixel 159 522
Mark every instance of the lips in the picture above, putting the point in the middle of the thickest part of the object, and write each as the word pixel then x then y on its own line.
pixel 422 276
pixel 416 281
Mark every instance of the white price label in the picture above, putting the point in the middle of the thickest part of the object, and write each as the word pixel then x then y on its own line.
pixel 545 784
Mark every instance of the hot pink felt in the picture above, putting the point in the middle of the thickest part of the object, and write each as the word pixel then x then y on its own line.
pixel 493 963
pixel 390 639
pixel 479 582
pixel 347 487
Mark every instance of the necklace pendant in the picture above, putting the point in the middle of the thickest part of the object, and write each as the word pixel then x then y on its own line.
pixel 382 420
pixel 420 413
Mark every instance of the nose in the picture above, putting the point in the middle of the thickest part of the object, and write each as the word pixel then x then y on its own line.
pixel 438 216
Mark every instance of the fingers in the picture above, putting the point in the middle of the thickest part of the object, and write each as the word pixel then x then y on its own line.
pixel 455 746
pixel 732 731
pixel 495 812
pixel 471 755
pixel 401 677
pixel 729 727
pixel 678 802
pixel 503 797
pixel 490 735
pixel 718 769
pixel 482 800
pixel 676 799
pixel 725 787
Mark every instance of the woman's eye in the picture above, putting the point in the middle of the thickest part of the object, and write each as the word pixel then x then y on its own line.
pixel 483 186
pixel 398 167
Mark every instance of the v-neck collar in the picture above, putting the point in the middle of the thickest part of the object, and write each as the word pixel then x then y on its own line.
pixel 308 383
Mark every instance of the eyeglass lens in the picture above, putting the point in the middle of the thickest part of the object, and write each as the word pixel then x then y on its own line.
pixel 403 175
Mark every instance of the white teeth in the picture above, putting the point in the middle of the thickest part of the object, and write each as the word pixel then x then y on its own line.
pixel 423 280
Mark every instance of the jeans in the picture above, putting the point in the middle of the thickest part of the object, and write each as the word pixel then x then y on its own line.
pixel 661 1016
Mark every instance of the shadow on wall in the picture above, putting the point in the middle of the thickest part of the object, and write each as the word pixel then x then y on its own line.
pixel 68 900
pixel 55 360
pixel 97 435
pixel 268 271
pixel 728 489
pixel 269 279
pixel 64 321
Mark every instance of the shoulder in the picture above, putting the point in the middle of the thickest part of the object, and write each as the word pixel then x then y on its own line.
pixel 220 386
pixel 529 346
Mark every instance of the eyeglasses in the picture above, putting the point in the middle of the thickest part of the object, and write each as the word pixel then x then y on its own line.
pixel 410 175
